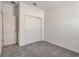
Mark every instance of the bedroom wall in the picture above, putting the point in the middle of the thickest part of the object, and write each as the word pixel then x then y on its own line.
pixel 62 25
pixel 8 9
pixel 25 9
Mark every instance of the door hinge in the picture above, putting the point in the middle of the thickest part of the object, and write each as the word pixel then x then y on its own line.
pixel 2 40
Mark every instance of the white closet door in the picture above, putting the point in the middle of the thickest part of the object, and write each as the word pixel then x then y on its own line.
pixel 9 29
pixel 0 28
pixel 0 32
pixel 32 29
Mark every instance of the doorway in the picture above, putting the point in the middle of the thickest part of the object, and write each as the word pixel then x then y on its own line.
pixel 9 24
pixel 9 30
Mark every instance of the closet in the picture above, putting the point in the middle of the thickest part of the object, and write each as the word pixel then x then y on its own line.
pixel 31 24
pixel 33 29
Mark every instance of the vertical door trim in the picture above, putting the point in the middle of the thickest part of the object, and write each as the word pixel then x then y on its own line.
pixel 2 29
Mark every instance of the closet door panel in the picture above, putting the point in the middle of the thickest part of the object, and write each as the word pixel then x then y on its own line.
pixel 0 32
pixel 9 26
pixel 32 30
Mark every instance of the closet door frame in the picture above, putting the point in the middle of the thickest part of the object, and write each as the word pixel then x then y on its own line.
pixel 20 36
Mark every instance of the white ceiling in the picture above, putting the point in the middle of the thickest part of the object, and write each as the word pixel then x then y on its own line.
pixel 48 4
pixel 45 4
pixel 42 4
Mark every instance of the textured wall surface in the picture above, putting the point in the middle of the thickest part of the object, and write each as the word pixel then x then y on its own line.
pixel 8 9
pixel 62 25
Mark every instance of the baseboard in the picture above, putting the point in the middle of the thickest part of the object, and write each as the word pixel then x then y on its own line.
pixel 9 44
pixel 59 45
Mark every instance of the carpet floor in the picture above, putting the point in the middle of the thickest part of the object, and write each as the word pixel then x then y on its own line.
pixel 37 49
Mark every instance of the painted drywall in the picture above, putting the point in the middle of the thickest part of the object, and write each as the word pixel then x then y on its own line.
pixel 62 25
pixel 0 29
pixel 25 9
pixel 8 9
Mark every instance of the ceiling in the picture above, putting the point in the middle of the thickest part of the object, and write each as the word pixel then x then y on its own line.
pixel 42 4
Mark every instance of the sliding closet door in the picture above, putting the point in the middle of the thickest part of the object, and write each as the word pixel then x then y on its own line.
pixel 0 32
pixel 32 29
pixel 0 29
pixel 9 30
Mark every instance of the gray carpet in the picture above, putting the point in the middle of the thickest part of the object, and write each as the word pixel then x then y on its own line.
pixel 38 49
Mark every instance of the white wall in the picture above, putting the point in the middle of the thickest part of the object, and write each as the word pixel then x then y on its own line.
pixel 25 9
pixel 62 25
pixel 8 9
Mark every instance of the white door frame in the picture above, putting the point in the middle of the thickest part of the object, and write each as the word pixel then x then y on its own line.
pixel 21 29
